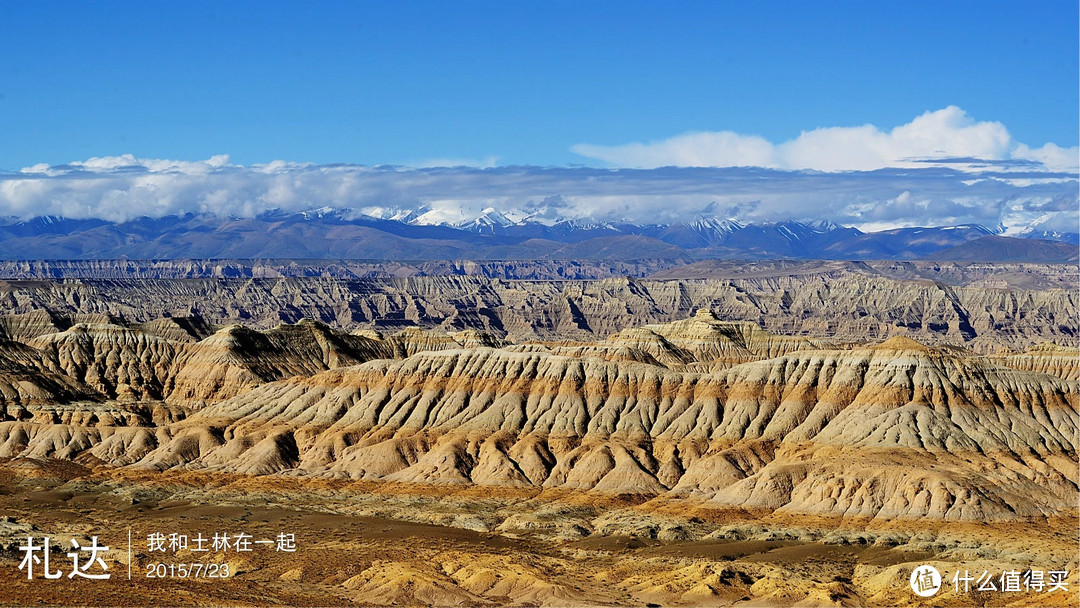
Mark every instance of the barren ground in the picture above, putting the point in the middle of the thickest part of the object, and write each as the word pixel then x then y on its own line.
pixel 370 543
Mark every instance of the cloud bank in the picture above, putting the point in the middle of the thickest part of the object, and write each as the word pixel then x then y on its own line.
pixel 943 134
pixel 952 171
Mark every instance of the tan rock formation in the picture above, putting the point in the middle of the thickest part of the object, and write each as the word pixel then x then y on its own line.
pixel 842 301
pixel 236 359
pixel 894 430
pixel 897 429
pixel 1047 358
pixel 122 363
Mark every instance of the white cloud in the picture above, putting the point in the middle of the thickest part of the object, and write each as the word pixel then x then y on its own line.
pixel 943 134
pixel 129 162
pixel 863 177
pixel 1052 156
pixel 720 149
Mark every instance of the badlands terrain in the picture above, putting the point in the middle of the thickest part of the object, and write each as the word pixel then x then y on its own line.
pixel 776 433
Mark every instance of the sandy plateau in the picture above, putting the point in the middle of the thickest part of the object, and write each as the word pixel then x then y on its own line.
pixel 554 453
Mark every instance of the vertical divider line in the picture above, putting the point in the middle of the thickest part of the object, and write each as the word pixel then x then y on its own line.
pixel 129 553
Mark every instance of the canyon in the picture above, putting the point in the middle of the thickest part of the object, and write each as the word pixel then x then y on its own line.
pixel 769 434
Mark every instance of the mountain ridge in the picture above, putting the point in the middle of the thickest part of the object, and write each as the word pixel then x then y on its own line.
pixel 413 235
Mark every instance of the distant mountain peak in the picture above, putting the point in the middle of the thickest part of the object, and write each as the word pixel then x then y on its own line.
pixel 823 225
pixel 322 212
pixel 407 216
pixel 714 224
pixel 1072 238
pixel 489 220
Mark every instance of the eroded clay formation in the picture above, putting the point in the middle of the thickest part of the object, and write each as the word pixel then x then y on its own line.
pixel 700 409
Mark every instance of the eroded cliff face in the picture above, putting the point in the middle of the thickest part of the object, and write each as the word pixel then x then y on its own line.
pixel 1049 358
pixel 715 412
pixel 702 460
pixel 895 430
pixel 989 310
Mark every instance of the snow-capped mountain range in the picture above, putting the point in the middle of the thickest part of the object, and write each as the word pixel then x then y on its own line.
pixel 424 233
pixel 493 221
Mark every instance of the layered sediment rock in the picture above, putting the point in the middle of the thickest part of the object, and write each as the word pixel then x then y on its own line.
pixel 25 379
pixel 236 359
pixel 1047 358
pixel 699 408
pixel 894 430
pixel 187 361
pixel 115 361
pixel 846 302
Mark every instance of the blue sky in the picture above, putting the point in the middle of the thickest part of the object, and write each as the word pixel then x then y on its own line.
pixel 871 114
pixel 511 82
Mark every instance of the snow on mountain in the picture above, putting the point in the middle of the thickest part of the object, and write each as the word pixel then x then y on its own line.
pixel 714 226
pixel 585 225
pixel 802 231
pixel 439 216
pixel 488 222
pixel 975 227
pixel 326 213
pixel 447 230
pixel 822 226
pixel 1073 238
pixel 408 216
